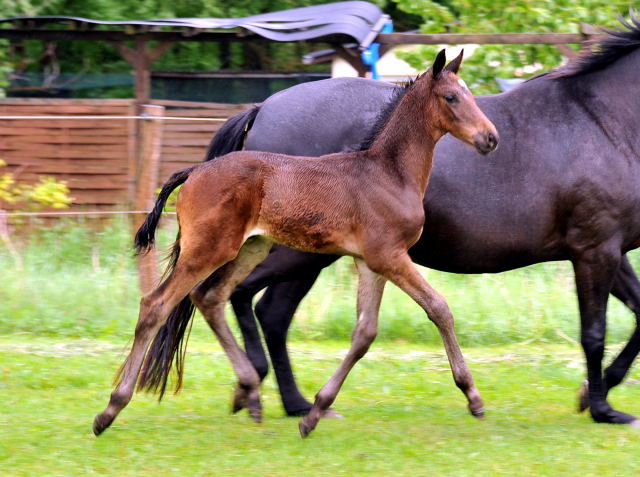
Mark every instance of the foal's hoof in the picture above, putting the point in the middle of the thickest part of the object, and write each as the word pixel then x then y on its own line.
pixel 100 423
pixel 255 410
pixel 242 399
pixel 477 413
pixel 239 400
pixel 305 428
pixel 583 396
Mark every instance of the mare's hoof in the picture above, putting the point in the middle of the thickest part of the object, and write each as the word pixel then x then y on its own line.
pixel 332 414
pixel 583 396
pixel 305 429
pixel 100 423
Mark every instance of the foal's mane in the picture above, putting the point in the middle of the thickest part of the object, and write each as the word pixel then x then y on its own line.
pixel 383 116
pixel 605 50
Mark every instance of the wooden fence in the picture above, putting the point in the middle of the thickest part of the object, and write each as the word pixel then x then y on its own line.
pixel 96 145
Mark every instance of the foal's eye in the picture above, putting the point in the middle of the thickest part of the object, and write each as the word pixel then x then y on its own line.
pixel 451 99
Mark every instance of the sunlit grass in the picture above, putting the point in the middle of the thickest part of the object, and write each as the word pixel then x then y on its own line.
pixel 404 416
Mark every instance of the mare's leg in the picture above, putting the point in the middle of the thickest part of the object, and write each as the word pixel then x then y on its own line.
pixel 194 263
pixel 370 288
pixel 626 288
pixel 595 271
pixel 276 309
pixel 210 297
pixel 405 275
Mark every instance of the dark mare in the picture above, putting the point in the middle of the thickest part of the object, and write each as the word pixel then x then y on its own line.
pixel 231 209
pixel 564 185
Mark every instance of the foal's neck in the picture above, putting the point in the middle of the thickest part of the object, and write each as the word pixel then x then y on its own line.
pixel 407 140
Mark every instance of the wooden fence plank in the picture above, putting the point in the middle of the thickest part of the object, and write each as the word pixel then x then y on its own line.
pixel 118 132
pixel 96 157
pixel 64 138
pixel 65 123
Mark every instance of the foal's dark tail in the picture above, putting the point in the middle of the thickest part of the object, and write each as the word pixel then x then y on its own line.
pixel 231 134
pixel 145 236
pixel 169 344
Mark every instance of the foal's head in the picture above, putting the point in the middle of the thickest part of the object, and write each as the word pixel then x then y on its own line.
pixel 452 107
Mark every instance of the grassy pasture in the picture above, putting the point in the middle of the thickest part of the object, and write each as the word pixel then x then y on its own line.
pixel 403 414
pixel 66 318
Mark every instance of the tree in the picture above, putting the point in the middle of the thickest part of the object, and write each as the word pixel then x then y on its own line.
pixel 101 57
pixel 504 16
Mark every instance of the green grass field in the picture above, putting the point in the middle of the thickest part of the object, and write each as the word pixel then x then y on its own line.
pixel 66 319
pixel 404 416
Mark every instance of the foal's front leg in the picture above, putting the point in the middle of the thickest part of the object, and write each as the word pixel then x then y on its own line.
pixel 405 275
pixel 370 288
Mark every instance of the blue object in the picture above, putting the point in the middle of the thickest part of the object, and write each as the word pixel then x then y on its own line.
pixel 371 55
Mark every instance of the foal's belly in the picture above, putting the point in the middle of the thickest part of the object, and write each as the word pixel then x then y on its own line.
pixel 309 230
pixel 314 240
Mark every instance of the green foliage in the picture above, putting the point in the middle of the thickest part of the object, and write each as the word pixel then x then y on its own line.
pixel 80 56
pixel 101 57
pixel 47 192
pixel 506 16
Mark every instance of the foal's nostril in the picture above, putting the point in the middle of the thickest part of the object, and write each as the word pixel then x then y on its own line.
pixel 485 142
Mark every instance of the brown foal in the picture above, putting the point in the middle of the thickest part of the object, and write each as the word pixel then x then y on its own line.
pixel 365 204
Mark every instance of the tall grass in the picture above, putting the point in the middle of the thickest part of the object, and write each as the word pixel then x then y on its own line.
pixel 78 282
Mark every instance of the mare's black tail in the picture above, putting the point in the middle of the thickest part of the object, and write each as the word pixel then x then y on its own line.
pixel 231 134
pixel 145 235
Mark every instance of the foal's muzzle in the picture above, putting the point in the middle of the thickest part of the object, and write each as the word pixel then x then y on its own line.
pixel 485 142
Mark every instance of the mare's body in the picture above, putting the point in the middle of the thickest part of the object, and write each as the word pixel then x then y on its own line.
pixel 564 185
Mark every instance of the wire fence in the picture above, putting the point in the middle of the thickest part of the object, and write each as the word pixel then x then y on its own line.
pixel 144 116
pixel 78 213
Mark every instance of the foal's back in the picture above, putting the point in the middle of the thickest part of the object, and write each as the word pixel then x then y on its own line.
pixel 323 204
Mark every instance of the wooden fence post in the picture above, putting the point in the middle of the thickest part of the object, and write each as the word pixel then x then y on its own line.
pixel 146 183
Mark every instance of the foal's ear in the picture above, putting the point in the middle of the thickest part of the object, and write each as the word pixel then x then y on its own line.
pixel 454 66
pixel 438 64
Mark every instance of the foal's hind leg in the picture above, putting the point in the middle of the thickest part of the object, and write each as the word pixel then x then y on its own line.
pixel 405 275
pixel 210 297
pixel 370 288
pixel 192 266
pixel 626 288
